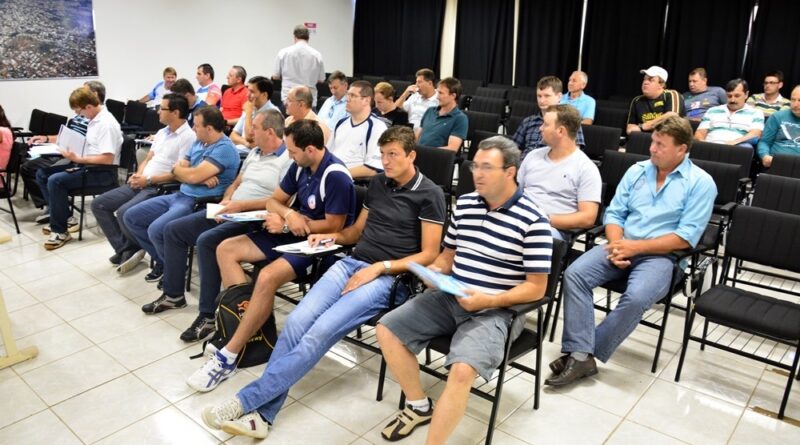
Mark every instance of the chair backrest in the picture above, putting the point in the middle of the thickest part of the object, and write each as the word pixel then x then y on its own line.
pixel 611 117
pixel 466 184
pixel 779 193
pixel 613 168
pixel 481 121
pixel 729 154
pixel 599 139
pixel 488 105
pixel 134 113
pixel 766 237
pixel 399 86
pixel 151 122
pixel 497 93
pixel 117 109
pixel 226 86
pixel 556 266
pixel 373 80
pixel 470 86
pixel 52 123
pixel 524 108
pixel 617 104
pixel 437 164
pixel 785 165
pixel 512 123
pixel 726 177
pixel 639 143
pixel 36 124
pixel 524 95
pixel 361 194
pixel 477 138
pixel 127 155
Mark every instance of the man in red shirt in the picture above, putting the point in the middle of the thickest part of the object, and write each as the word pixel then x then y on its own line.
pixel 233 98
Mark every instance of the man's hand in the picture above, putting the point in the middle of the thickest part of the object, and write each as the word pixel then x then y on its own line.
pixel 474 301
pixel 621 251
pixel 229 207
pixel 211 182
pixel 297 224
pixel 362 277
pixel 411 89
pixel 137 181
pixel 69 155
pixel 40 139
pixel 767 161
pixel 273 223
pixel 313 240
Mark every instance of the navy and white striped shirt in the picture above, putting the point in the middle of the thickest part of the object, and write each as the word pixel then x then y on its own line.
pixel 496 249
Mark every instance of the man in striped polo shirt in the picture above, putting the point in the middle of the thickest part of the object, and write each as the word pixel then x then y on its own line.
pixel 499 245
pixel 734 123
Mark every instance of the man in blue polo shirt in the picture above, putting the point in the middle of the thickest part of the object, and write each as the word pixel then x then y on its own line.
pixel 325 203
pixel 576 97
pixel 661 205
pixel 444 126
pixel 207 170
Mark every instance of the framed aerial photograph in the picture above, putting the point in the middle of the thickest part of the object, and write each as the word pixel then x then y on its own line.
pixel 47 39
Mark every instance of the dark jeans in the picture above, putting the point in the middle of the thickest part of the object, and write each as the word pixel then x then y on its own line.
pixel 119 200
pixel 206 234
pixel 28 172
pixel 146 220
pixel 59 184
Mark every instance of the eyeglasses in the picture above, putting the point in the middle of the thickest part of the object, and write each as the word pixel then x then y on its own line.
pixel 771 82
pixel 354 96
pixel 484 168
pixel 165 109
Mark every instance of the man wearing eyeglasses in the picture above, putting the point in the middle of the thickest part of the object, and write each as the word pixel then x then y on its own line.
pixel 355 138
pixel 770 100
pixel 334 108
pixel 444 125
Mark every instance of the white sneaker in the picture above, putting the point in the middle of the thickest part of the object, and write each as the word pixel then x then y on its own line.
pixel 251 425
pixel 57 240
pixel 215 371
pixel 214 416
pixel 131 263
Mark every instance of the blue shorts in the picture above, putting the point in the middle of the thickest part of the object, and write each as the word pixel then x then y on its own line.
pixel 266 242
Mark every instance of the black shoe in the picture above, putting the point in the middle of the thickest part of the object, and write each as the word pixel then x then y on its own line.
pixel 160 285
pixel 573 371
pixel 559 364
pixel 200 329
pixel 163 303
pixel 155 274
pixel 116 259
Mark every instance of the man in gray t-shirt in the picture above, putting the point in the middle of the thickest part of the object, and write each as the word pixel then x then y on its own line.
pixel 700 96
pixel 561 179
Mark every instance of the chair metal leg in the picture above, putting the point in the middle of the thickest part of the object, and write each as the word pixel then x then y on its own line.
pixel 792 374
pixel 381 378
pixel 13 215
pixel 402 403
pixel 427 356
pixel 687 331
pixel 661 331
pixel 705 333
pixel 80 224
pixel 496 403
pixel 190 262
pixel 559 299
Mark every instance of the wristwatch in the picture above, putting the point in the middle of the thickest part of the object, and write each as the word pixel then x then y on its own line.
pixel 148 181
pixel 285 228
pixel 387 266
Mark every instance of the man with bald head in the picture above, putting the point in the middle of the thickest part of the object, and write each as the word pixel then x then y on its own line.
pixel 582 102
pixel 298 105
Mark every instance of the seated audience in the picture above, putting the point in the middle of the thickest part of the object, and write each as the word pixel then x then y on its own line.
pixel 781 132
pixel 235 96
pixel 661 205
pixel 401 222
pixel 185 89
pixel 655 104
pixel 299 65
pixel 576 97
pixel 478 323
pixel 298 107
pixel 258 179
pixel 259 92
pixel 700 96
pixel 355 137
pixel 418 97
pixel 386 108
pixel 560 178
pixel 209 92
pixel 444 125
pixel 334 108
pixel 734 123
pixel 206 171
pixel 153 98
pixel 103 144
pixel 325 203
pixel 770 101
pixel 528 136
pixel 171 143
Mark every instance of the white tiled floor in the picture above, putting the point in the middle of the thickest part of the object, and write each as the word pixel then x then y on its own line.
pixel 108 374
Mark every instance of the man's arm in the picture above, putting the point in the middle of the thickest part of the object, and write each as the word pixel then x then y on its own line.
pixel 401 100
pixel 766 141
pixel 586 121
pixel 532 289
pixel 237 139
pixel 649 125
pixel 754 133
pixel 362 171
pixel 701 134
pixel 584 218
pixel 101 159
pixel 195 175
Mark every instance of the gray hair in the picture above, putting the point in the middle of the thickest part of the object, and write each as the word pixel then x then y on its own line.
pixel 584 76
pixel 303 95
pixel 272 119
pixel 507 147
pixel 98 88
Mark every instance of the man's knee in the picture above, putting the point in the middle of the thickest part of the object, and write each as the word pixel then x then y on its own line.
pixel 462 374
pixel 385 335
pixel 227 250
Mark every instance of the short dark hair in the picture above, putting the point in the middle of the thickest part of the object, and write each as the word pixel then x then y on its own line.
pixel 176 102
pixel 678 128
pixel 272 119
pixel 182 86
pixel 453 85
pixel 551 82
pixel 400 134
pixel 337 75
pixel 98 88
pixel 732 84
pixel 568 117
pixel 206 68
pixel 300 32
pixel 427 74
pixel 211 116
pixel 241 73
pixel 776 73
pixel 700 72
pixel 306 132
pixel 508 148
pixel 364 87
pixel 263 84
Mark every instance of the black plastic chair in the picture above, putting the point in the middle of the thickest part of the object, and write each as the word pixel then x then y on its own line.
pixel 437 164
pixel 5 189
pixel 373 80
pixel 481 121
pixel 477 138
pixel 639 143
pixel 512 124
pixel 399 86
pixel 52 123
pixel 729 154
pixel 495 93
pixel 117 109
pixel 135 112
pixel 469 86
pixel 785 165
pixel 521 94
pixel 523 108
pixel 611 117
pixel 599 139
pixel 488 105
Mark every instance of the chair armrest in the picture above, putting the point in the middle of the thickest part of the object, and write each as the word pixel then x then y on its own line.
pixel 727 208
pixel 168 187
pixel 207 200
pixel 524 308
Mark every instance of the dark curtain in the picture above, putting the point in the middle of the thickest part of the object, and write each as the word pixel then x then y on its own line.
pixel 775 44
pixel 548 40
pixel 692 40
pixel 621 38
pixel 484 40
pixel 396 38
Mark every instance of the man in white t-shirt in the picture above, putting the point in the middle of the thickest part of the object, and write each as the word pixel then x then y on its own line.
pixel 299 64
pixel 354 139
pixel 171 143
pixel 562 180
pixel 420 96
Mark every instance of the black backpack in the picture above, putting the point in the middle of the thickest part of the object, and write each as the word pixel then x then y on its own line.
pixel 231 306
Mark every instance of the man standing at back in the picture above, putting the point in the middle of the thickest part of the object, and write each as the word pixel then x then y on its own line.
pixel 299 64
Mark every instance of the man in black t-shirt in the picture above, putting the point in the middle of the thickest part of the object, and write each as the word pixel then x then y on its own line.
pixel 401 222
pixel 656 102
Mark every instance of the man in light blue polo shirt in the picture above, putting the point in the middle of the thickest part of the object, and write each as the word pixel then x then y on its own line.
pixel 584 103
pixel 734 123
pixel 661 205
pixel 334 108
pixel 444 125
pixel 259 92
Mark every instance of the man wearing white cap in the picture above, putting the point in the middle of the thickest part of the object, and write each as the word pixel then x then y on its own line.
pixel 656 102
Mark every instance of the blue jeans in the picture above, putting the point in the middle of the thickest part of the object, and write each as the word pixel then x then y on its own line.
pixel 58 184
pixel 322 318
pixel 649 277
pixel 146 221
pixel 190 230
pixel 119 200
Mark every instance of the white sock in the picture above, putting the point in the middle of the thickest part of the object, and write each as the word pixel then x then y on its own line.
pixel 419 405
pixel 580 356
pixel 230 357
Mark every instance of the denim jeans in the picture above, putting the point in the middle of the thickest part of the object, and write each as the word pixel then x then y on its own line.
pixel 119 200
pixel 146 220
pixel 206 234
pixel 649 277
pixel 322 318
pixel 59 185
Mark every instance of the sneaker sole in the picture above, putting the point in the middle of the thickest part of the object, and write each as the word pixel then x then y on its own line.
pixel 209 389
pixel 400 436
pixel 195 340
pixel 130 264
pixel 164 310
pixel 207 419
pixel 56 246
pixel 233 428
